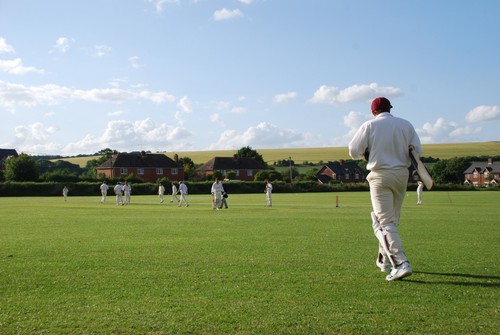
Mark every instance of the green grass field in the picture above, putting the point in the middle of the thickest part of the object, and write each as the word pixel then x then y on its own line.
pixel 303 266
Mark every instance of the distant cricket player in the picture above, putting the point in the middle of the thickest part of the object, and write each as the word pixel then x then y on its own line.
pixel 383 142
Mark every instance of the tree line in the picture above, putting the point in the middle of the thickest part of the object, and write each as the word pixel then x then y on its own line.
pixel 44 169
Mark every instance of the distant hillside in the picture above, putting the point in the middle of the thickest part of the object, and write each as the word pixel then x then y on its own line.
pixel 315 155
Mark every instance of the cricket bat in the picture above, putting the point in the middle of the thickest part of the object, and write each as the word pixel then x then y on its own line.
pixel 420 167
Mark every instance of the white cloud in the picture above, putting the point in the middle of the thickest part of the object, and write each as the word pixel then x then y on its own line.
pixel 246 2
pixel 185 105
pixel 134 62
pixel 5 48
pixel 442 131
pixel 124 135
pixel 264 135
pixel 35 131
pixel 215 118
pixel 285 97
pixel 238 110
pixel 483 113
pixel 227 14
pixel 16 66
pixel 102 50
pixel 12 95
pixel 63 44
pixel 333 95
pixel 160 4
pixel 467 130
pixel 116 113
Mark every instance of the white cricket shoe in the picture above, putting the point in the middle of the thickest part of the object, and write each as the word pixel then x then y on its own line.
pixel 400 272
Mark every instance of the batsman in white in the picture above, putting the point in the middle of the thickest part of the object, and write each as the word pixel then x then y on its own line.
pixel 383 142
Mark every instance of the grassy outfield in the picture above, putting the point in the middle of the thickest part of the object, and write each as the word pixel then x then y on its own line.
pixel 302 266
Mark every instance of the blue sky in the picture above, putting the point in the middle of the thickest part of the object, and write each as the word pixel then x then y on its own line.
pixel 187 75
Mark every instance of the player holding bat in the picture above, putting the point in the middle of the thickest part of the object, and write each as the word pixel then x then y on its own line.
pixel 384 142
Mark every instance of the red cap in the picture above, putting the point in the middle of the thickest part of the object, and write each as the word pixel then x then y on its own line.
pixel 382 104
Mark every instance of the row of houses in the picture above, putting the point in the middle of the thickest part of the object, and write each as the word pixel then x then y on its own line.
pixel 150 167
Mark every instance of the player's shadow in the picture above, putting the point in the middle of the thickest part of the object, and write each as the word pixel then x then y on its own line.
pixel 459 279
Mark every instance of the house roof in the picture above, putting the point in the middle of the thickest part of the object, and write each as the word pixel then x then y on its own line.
pixel 5 153
pixel 493 167
pixel 139 160
pixel 232 163
pixel 342 168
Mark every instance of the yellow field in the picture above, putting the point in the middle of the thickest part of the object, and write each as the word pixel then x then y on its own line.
pixel 315 155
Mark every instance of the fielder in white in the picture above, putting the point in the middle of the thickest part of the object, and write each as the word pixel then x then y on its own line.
pixel 118 191
pixel 104 192
pixel 174 193
pixel 269 192
pixel 217 190
pixel 420 190
pixel 65 193
pixel 161 192
pixel 183 190
pixel 127 189
pixel 384 142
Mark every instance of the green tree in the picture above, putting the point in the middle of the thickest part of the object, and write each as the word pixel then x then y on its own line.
pixel 450 170
pixel 249 152
pixel 189 169
pixel 268 174
pixel 21 168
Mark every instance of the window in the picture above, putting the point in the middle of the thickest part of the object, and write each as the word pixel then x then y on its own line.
pixel 123 171
pixel 159 171
pixel 475 175
pixel 356 176
pixel 250 173
pixel 140 171
pixel 174 171
pixel 347 176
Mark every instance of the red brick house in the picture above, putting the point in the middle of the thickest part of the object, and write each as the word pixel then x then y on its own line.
pixel 483 173
pixel 350 172
pixel 146 166
pixel 245 168
pixel 342 172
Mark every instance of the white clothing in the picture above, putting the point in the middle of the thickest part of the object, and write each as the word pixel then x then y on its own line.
pixel 104 192
pixel 217 190
pixel 161 192
pixel 174 193
pixel 183 190
pixel 128 190
pixel 420 190
pixel 269 191
pixel 65 193
pixel 118 191
pixel 386 138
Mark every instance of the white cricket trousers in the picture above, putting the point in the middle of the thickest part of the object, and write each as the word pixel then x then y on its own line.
pixel 387 192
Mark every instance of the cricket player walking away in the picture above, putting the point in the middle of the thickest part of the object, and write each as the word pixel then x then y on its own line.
pixel 383 142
